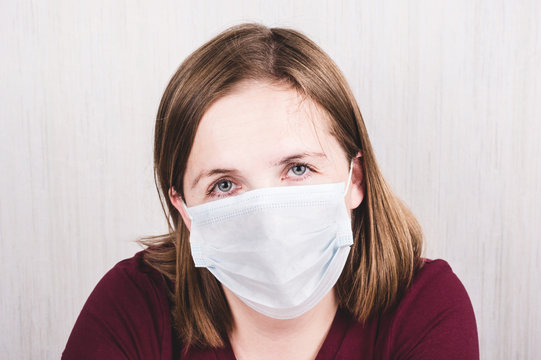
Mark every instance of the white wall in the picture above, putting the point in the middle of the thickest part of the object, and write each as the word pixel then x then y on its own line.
pixel 449 90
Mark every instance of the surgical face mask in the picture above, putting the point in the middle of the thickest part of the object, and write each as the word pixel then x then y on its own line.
pixel 278 249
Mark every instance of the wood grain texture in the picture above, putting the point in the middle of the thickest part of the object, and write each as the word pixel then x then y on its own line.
pixel 449 90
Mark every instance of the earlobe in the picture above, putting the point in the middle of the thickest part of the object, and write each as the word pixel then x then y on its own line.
pixel 178 203
pixel 357 182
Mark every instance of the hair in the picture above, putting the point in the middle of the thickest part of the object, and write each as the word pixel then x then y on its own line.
pixel 387 238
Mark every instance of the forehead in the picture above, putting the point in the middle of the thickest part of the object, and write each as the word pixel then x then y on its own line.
pixel 259 121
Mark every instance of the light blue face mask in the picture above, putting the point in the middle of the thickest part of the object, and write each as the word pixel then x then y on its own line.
pixel 279 249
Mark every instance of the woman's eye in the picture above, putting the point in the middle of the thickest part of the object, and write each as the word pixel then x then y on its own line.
pixel 224 185
pixel 299 169
pixel 222 188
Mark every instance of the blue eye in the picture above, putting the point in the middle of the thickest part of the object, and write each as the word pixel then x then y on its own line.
pixel 224 185
pixel 299 169
pixel 223 188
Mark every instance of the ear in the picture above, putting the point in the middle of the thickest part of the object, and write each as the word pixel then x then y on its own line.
pixel 178 203
pixel 356 191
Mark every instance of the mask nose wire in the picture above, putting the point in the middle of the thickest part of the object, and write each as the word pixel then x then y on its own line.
pixel 349 177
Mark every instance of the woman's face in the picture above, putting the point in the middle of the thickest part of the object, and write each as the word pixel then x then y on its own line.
pixel 263 135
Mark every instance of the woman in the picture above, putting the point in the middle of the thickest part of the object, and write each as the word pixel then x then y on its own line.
pixel 285 242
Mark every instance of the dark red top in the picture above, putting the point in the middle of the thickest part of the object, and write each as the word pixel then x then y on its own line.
pixel 127 317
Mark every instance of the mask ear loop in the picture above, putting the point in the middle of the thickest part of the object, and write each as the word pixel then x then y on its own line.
pixel 186 209
pixel 349 177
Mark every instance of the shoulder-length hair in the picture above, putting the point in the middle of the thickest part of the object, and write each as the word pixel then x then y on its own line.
pixel 388 240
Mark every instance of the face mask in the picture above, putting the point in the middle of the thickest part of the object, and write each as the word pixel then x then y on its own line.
pixel 279 249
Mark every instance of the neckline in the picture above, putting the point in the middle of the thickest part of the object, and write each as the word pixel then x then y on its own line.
pixel 328 350
pixel 333 341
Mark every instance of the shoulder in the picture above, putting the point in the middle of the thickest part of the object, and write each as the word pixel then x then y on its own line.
pixel 126 315
pixel 434 318
pixel 131 284
pixel 435 283
pixel 132 275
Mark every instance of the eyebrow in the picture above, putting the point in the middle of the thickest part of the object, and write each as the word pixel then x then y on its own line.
pixel 282 161
pixel 299 156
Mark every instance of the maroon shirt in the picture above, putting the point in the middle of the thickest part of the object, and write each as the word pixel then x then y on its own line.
pixel 127 317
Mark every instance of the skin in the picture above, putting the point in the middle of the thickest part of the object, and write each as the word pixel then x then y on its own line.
pixel 253 133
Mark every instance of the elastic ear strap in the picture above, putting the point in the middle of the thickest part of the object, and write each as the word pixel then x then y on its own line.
pixel 349 176
pixel 186 209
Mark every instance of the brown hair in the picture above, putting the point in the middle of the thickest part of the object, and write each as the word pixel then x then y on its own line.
pixel 388 239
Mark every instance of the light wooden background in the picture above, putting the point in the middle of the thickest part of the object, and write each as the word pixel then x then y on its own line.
pixel 450 91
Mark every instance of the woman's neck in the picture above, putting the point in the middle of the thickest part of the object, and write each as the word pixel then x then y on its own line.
pixel 256 336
